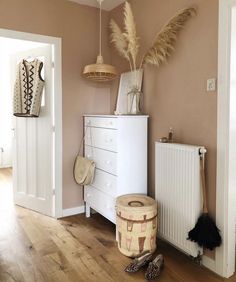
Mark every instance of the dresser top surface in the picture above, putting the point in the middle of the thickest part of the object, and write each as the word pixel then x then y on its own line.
pixel 117 116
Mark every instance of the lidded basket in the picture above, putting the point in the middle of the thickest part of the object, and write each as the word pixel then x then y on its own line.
pixel 136 223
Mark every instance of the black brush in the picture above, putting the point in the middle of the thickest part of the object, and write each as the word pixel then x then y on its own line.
pixel 205 233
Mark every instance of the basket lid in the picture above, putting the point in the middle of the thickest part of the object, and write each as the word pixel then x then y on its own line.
pixel 137 202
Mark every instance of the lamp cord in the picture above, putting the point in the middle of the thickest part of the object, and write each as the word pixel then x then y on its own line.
pixel 100 44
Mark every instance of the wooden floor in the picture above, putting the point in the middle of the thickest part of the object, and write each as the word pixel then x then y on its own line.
pixel 38 248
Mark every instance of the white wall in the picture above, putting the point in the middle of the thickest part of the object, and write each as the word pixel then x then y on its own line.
pixel 7 48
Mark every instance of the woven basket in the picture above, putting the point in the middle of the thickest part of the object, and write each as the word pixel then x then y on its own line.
pixel 136 223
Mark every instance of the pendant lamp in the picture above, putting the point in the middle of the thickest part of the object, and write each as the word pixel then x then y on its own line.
pixel 100 72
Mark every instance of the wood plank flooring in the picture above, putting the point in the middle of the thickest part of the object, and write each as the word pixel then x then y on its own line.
pixel 34 247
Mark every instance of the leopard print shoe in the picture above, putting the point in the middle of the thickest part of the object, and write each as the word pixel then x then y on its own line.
pixel 154 268
pixel 139 262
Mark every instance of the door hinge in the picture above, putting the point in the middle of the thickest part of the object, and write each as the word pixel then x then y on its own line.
pixel 53 65
pixel 53 128
pixel 54 191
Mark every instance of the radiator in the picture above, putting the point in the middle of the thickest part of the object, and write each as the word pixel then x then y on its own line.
pixel 178 193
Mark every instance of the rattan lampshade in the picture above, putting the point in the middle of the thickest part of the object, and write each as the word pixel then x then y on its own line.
pixel 99 71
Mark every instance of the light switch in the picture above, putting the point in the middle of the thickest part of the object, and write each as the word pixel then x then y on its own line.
pixel 211 84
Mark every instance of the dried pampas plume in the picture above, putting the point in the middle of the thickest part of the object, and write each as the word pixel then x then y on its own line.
pixel 131 34
pixel 166 38
pixel 127 43
pixel 119 40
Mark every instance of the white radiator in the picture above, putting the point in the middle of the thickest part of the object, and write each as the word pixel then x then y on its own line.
pixel 178 193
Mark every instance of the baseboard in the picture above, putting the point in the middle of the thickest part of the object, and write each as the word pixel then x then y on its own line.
pixel 6 166
pixel 209 263
pixel 73 211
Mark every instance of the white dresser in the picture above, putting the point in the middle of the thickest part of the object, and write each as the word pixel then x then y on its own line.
pixel 118 145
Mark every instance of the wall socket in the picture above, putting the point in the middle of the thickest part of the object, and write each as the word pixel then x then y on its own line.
pixel 211 85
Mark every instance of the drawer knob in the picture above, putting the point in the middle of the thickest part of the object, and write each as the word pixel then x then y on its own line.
pixel 88 121
pixel 88 195
pixel 88 156
pixel 108 184
pixel 108 162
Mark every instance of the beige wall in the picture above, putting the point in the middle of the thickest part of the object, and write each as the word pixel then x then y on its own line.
pixel 78 27
pixel 175 94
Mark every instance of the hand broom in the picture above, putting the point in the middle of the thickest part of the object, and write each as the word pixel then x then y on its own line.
pixel 205 233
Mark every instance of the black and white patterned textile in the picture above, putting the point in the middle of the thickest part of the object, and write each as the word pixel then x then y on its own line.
pixel 28 89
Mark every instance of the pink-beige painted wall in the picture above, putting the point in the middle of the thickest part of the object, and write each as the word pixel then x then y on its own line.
pixel 175 94
pixel 77 25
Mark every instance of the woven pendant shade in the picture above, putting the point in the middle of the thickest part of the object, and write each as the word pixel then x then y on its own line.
pixel 100 72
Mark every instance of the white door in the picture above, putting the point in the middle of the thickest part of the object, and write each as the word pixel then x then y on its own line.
pixel 33 144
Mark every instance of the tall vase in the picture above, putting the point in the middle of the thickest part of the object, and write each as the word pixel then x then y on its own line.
pixel 134 101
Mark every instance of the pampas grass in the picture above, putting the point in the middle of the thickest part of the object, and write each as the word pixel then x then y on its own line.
pixel 164 42
pixel 127 42
pixel 131 34
pixel 119 40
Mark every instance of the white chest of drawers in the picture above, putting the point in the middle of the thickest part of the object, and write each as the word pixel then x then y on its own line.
pixel 118 145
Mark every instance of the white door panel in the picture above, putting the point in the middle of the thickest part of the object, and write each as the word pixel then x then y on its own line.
pixel 33 144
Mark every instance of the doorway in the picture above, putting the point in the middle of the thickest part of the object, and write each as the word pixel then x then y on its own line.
pixel 35 183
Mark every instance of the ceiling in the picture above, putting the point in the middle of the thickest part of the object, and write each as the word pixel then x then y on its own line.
pixel 106 4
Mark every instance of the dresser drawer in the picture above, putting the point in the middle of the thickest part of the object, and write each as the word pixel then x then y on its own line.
pixel 105 182
pixel 106 122
pixel 104 160
pixel 101 138
pixel 101 202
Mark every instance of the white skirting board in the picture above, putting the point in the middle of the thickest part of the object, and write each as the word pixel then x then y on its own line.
pixel 209 263
pixel 6 166
pixel 73 211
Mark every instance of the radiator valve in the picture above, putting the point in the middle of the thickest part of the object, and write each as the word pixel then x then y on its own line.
pixel 170 135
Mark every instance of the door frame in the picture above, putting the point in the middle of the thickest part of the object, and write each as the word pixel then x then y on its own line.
pixel 225 255
pixel 57 85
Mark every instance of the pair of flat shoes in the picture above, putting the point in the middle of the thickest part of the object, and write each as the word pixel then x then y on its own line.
pixel 155 266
